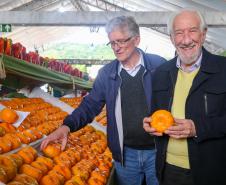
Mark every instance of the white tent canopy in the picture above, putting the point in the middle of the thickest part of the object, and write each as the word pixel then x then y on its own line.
pixel 30 18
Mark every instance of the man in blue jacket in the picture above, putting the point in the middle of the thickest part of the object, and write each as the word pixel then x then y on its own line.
pixel 124 85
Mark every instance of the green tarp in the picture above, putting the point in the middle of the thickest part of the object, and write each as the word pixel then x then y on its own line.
pixel 20 73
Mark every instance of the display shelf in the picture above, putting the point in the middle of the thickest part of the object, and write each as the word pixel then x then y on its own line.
pixel 39 93
pixel 111 178
pixel 98 126
pixel 34 144
pixel 20 73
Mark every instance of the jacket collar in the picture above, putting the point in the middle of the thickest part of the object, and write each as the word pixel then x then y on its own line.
pixel 116 63
pixel 208 65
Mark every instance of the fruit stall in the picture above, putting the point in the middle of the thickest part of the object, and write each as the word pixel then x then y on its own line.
pixel 19 68
pixel 25 122
pixel 86 159
pixel 20 73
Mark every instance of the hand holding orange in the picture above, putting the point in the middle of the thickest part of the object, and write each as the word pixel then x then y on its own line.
pixel 161 120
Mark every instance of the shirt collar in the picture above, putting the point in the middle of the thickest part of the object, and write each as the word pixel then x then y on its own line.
pixel 140 62
pixel 195 66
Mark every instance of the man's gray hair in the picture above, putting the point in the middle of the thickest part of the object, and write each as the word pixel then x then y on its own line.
pixel 203 25
pixel 124 24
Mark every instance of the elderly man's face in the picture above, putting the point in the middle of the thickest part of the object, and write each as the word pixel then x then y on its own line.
pixel 123 45
pixel 187 37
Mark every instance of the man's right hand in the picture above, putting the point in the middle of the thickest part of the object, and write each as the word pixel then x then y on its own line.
pixel 149 129
pixel 59 134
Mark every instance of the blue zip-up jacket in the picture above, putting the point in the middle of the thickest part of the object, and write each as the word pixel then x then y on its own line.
pixel 105 91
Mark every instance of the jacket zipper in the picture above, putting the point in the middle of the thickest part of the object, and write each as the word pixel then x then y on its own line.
pixel 122 161
pixel 206 104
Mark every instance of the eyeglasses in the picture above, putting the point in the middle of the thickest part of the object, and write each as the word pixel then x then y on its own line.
pixel 119 43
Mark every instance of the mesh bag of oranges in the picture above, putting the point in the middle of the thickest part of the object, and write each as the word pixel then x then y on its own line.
pixel 161 120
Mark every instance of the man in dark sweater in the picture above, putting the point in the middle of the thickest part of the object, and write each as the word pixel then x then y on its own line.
pixel 124 85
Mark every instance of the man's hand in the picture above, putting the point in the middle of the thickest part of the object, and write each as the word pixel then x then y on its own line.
pixel 183 128
pixel 148 128
pixel 58 135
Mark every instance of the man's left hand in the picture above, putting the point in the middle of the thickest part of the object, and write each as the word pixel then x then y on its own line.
pixel 183 128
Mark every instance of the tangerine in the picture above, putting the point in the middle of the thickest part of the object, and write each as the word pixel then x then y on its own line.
pixel 161 120
pixel 52 150
pixel 8 115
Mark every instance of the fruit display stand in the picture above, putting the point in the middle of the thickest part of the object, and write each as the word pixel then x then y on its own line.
pixel 99 123
pixel 86 135
pixel 111 178
pixel 39 93
pixel 20 73
pixel 73 103
pixel 77 157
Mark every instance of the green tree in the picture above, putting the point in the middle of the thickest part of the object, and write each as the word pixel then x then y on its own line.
pixel 224 53
pixel 78 51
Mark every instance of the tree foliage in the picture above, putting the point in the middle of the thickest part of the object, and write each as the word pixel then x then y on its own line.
pixel 224 53
pixel 78 51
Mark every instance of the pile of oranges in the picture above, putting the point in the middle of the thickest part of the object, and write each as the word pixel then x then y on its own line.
pixel 42 120
pixel 74 102
pixel 85 161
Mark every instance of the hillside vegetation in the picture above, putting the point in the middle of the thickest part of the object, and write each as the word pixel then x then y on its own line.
pixel 78 51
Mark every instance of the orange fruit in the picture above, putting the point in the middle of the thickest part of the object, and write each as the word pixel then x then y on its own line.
pixel 25 179
pixel 27 156
pixel 5 145
pixel 8 115
pixel 2 131
pixel 49 179
pixel 47 161
pixel 31 171
pixel 52 150
pixel 17 159
pixel 161 120
pixel 63 170
pixel 8 127
pixel 40 166
pixel 9 166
